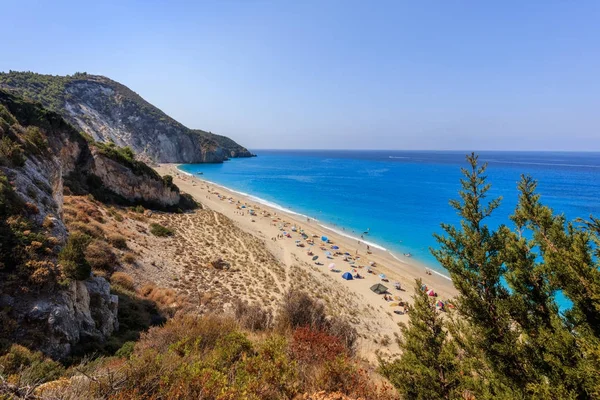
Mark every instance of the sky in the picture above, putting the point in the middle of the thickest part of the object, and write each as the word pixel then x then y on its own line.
pixel 444 75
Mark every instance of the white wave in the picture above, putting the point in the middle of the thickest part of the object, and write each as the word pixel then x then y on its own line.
pixel 395 157
pixel 440 274
pixel 432 270
pixel 257 199
pixel 287 210
pixel 342 233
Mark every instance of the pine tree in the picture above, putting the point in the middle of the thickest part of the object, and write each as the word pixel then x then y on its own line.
pixel 427 367
pixel 473 255
pixel 546 254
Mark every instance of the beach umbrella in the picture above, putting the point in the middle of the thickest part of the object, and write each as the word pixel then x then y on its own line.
pixel 331 266
pixel 382 276
pixel 327 253
pixel 430 292
pixel 315 258
pixel 324 238
pixel 335 247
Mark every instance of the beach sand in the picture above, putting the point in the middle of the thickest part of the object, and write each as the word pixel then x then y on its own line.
pixel 282 265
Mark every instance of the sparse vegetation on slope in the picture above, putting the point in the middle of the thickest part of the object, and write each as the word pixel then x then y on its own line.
pixel 121 116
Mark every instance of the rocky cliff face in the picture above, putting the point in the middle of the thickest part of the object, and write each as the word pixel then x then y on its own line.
pixel 38 150
pixel 84 311
pixel 111 112
pixel 135 188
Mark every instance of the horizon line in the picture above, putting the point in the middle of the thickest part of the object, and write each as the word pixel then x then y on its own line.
pixel 424 150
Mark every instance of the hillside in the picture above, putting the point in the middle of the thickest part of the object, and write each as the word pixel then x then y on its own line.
pixel 45 284
pixel 110 112
pixel 91 281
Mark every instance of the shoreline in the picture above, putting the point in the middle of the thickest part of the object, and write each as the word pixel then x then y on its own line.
pixel 293 241
pixel 267 203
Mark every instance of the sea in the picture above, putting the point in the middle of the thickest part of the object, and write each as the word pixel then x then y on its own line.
pixel 397 199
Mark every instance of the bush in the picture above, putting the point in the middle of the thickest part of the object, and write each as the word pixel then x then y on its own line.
pixel 252 317
pixel 100 256
pixel 312 346
pixel 11 153
pixel 126 350
pixel 168 180
pixel 300 310
pixel 343 330
pixel 35 140
pixel 115 214
pixel 159 230
pixel 124 280
pixel 72 257
pixel 118 241
pixel 32 367
pixel 93 230
pixel 187 202
pixel 128 258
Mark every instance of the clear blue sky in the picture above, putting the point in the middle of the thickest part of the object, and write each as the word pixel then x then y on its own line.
pixel 336 74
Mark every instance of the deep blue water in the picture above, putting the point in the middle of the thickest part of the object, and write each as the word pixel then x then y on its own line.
pixel 402 196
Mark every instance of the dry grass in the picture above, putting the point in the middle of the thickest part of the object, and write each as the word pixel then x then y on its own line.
pixel 124 280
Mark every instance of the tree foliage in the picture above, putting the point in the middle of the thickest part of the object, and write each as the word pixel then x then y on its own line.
pixel 427 369
pixel 510 336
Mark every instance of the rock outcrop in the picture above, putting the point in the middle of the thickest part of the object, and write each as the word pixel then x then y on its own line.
pixel 85 311
pixel 135 188
pixel 39 154
pixel 111 112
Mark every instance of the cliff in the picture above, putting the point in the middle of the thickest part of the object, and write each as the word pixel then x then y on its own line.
pixel 42 304
pixel 110 112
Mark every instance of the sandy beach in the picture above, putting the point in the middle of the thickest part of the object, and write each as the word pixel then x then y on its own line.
pixel 375 318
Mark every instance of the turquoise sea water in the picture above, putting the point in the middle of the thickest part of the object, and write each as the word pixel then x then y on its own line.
pixel 401 197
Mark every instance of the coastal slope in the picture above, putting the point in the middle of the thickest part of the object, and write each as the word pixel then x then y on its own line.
pixel 111 112
pixel 45 285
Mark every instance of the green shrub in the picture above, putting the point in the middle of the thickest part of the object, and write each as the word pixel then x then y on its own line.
pixel 126 350
pixel 35 140
pixel 11 153
pixel 72 257
pixel 159 230
pixel 231 348
pixel 32 367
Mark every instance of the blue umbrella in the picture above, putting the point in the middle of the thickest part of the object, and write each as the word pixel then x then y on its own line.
pixel 324 238
pixel 335 247
pixel 327 253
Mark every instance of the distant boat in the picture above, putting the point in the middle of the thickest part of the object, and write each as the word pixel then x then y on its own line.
pixel 199 173
pixel 407 255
